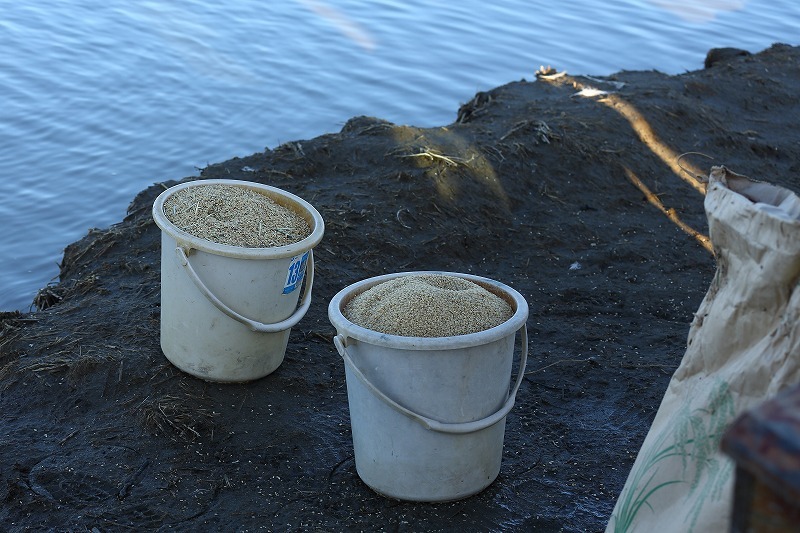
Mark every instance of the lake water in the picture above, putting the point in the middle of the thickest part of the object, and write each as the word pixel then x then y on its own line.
pixel 101 98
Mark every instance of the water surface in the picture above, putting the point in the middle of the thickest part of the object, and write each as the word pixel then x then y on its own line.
pixel 102 98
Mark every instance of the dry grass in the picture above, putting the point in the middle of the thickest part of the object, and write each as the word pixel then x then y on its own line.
pixel 47 297
pixel 177 417
pixel 6 371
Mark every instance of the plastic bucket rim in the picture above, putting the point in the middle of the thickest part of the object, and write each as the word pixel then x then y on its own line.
pixel 351 330
pixel 188 240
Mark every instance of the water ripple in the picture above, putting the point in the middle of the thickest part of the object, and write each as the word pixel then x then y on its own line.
pixel 103 98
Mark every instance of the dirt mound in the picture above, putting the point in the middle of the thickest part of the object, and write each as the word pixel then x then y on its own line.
pixel 566 188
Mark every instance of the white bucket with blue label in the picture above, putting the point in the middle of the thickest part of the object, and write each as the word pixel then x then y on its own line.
pixel 227 311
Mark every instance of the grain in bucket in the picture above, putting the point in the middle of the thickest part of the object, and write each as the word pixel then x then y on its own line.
pixel 234 256
pixel 428 359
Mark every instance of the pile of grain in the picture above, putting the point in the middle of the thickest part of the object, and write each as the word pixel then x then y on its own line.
pixel 238 216
pixel 427 305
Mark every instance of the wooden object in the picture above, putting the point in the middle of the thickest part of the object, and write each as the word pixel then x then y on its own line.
pixel 764 442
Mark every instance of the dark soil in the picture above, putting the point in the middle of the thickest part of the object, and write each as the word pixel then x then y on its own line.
pixel 576 202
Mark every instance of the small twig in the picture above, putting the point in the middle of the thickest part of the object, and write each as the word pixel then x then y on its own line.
pixel 701 179
pixel 452 161
pixel 131 481
pixel 587 360
pixel 398 218
pixel 141 404
pixel 663 368
pixel 337 466
pixel 65 439
pixel 518 126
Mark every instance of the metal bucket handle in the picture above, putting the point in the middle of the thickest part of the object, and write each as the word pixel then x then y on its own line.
pixel 253 324
pixel 429 423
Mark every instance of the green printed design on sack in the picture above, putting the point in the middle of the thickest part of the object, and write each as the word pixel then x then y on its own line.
pixel 694 438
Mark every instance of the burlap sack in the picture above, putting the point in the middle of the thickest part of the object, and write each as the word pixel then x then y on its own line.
pixel 743 348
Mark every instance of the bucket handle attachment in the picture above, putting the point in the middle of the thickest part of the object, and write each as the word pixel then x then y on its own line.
pixel 429 423
pixel 254 325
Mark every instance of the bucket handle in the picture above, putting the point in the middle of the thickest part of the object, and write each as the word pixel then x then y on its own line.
pixel 254 325
pixel 429 423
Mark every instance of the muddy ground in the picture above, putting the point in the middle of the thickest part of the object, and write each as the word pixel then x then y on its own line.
pixel 574 200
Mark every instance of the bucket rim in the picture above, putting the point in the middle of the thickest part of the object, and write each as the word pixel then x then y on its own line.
pixel 354 331
pixel 187 240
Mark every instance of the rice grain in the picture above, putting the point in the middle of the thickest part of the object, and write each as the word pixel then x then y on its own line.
pixel 427 305
pixel 234 215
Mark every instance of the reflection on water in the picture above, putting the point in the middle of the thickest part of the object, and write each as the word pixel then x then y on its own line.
pixel 698 12
pixel 103 98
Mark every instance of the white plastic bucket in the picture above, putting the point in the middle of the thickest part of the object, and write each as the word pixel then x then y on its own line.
pixel 428 414
pixel 226 311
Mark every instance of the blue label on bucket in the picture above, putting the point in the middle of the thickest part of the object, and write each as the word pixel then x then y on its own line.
pixel 294 276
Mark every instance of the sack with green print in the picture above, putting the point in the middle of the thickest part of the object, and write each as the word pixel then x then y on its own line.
pixel 743 348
